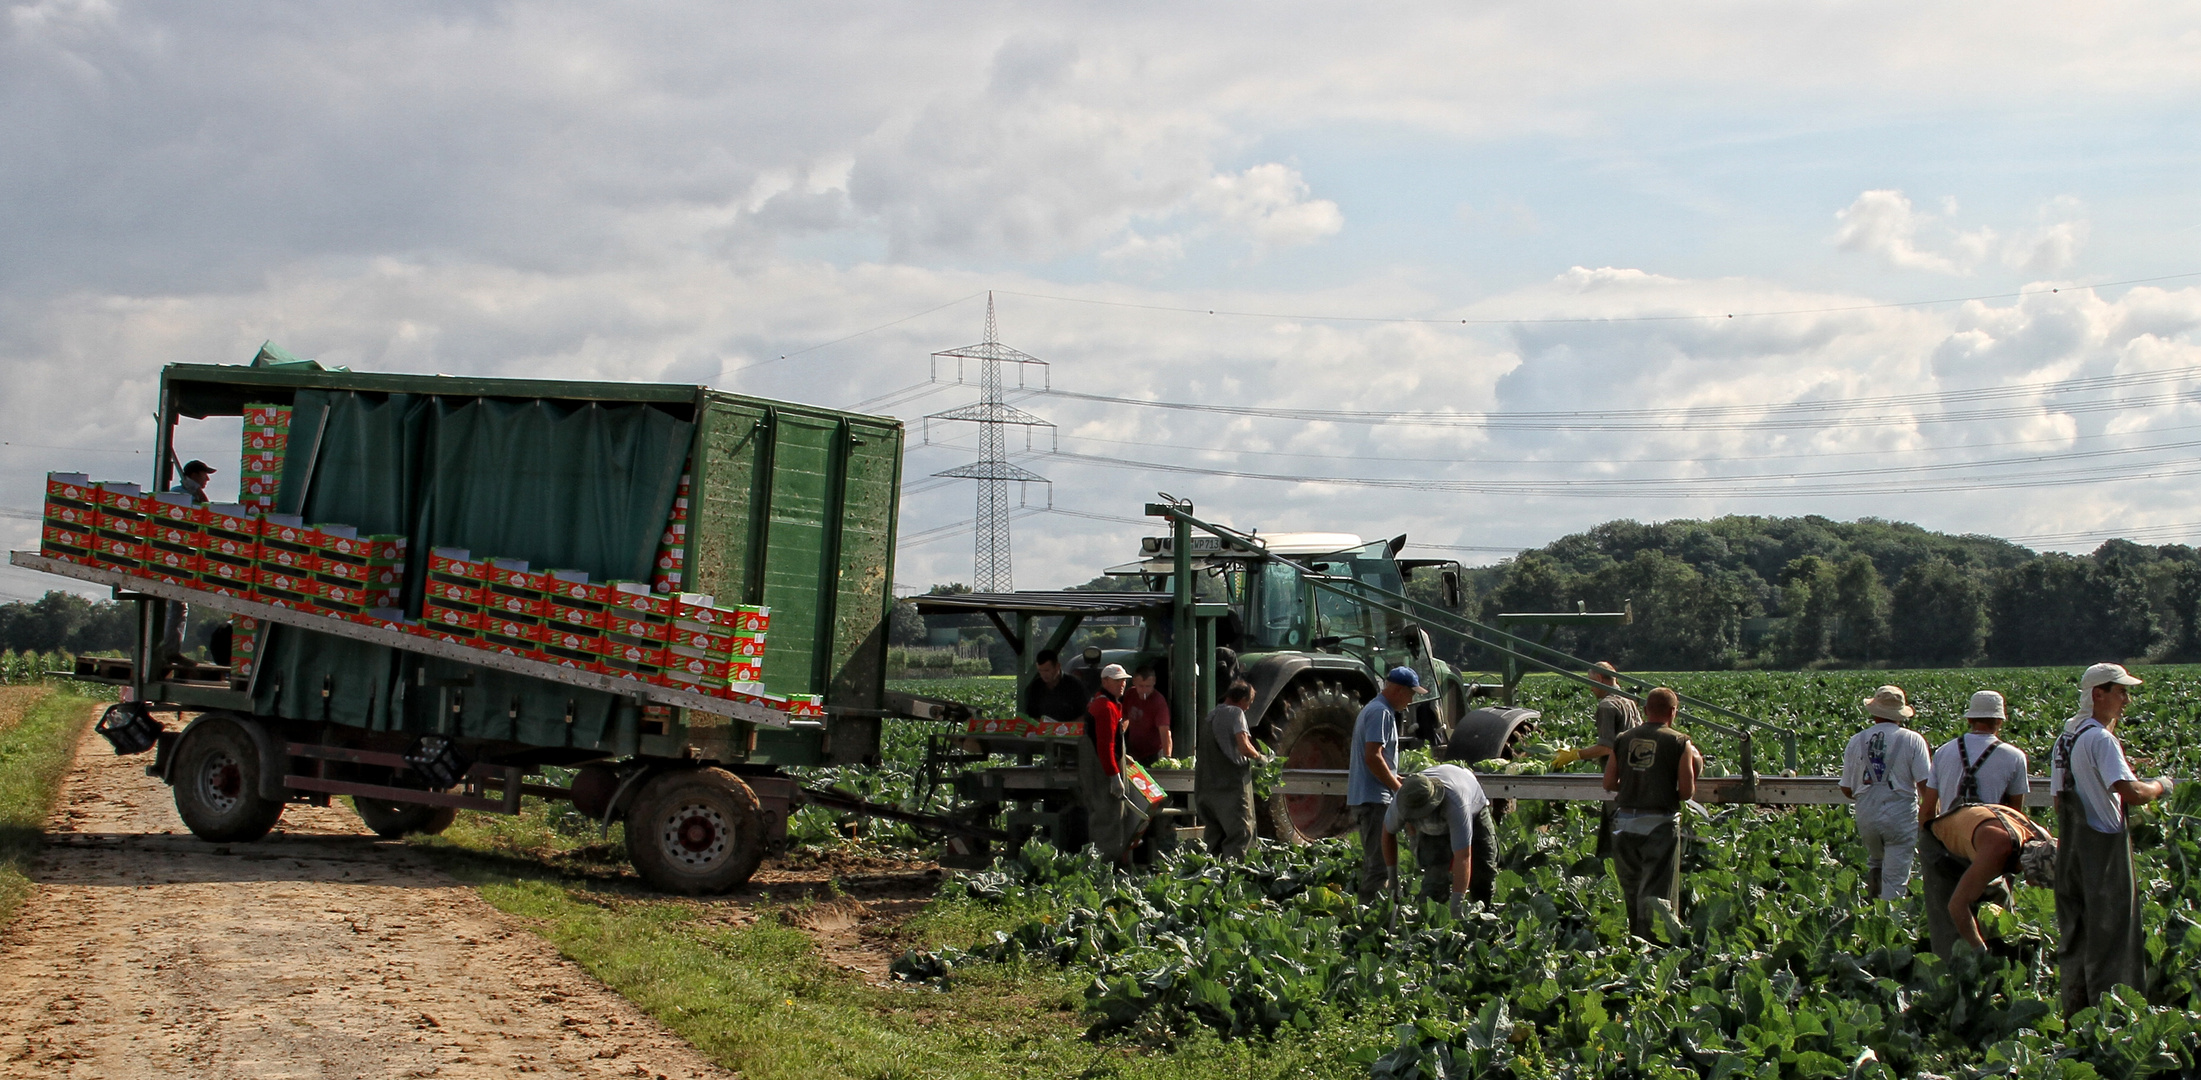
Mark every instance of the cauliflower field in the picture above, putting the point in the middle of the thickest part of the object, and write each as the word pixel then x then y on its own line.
pixel 1776 967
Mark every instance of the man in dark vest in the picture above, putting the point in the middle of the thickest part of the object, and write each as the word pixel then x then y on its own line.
pixel 2097 898
pixel 1653 769
pixel 1222 775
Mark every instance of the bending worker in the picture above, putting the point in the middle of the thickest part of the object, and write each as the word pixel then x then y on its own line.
pixel 1222 775
pixel 1883 769
pixel 2097 898
pixel 1455 834
pixel 1614 715
pixel 1653 769
pixel 1974 769
pixel 1112 821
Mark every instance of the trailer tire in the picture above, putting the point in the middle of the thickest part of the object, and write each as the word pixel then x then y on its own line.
pixel 1316 718
pixel 391 820
pixel 217 780
pixel 695 831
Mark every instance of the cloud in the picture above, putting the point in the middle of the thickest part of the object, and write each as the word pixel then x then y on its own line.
pixel 1884 224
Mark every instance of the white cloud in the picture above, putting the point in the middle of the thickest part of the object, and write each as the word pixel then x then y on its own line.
pixel 1884 224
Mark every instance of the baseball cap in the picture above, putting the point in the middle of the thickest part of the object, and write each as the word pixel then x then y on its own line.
pixel 195 465
pixel 1888 703
pixel 1114 671
pixel 1404 676
pixel 2105 674
pixel 1419 796
pixel 1985 705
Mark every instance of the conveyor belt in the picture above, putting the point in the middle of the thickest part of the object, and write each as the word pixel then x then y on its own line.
pixel 399 639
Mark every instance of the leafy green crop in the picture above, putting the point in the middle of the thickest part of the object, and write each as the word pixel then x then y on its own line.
pixel 1777 966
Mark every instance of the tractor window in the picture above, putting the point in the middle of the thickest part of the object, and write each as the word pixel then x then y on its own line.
pixel 1276 595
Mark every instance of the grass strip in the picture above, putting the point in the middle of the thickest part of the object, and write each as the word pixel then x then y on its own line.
pixel 39 729
pixel 756 996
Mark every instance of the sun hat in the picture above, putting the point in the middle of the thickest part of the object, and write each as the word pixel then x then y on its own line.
pixel 1404 676
pixel 2105 674
pixel 1114 671
pixel 1419 796
pixel 1888 703
pixel 1986 705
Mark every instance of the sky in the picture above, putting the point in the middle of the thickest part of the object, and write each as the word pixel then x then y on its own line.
pixel 1484 275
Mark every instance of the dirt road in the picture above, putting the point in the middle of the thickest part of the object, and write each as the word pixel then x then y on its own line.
pixel 317 952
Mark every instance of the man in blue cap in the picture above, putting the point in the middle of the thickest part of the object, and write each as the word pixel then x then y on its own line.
pixel 1372 775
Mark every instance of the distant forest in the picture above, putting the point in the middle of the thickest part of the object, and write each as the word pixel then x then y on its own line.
pixel 1812 592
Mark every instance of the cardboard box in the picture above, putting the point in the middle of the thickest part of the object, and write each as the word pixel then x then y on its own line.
pixel 233 519
pixel 453 590
pixel 705 639
pixel 514 600
pixel 748 643
pixel 710 670
pixel 67 544
pixel 262 461
pixel 257 486
pixel 124 552
pixel 637 597
pixel 457 563
pixel 572 640
pixel 172 558
pixel 564 612
pixel 575 587
pixel 578 659
pixel 806 706
pixel 640 627
pixel 215 566
pixel 262 439
pixel 635 654
pixel 451 618
pixel 71 487
pixel 516 627
pixel 267 414
pixel 750 617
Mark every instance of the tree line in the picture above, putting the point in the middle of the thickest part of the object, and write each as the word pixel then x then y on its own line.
pixel 1745 591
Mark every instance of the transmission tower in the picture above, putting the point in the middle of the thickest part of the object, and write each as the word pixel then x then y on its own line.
pixel 990 570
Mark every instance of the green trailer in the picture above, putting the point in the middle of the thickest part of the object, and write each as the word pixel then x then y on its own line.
pixel 788 507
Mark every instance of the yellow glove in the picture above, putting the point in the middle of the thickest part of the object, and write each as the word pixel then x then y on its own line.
pixel 1565 757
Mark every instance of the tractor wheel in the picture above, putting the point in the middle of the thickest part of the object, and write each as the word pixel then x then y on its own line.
pixel 217 778
pixel 695 831
pixel 1316 719
pixel 394 819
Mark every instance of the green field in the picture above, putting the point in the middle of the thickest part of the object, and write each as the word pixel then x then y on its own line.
pixel 39 728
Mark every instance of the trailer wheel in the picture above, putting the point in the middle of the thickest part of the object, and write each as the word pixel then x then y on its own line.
pixel 394 819
pixel 217 778
pixel 695 831
pixel 1317 723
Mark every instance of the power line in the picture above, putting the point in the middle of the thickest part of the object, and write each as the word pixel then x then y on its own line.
pixel 1545 320
pixel 857 334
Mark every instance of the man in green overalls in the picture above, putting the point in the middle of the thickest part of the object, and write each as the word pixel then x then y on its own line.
pixel 1222 775
pixel 1653 769
pixel 2097 897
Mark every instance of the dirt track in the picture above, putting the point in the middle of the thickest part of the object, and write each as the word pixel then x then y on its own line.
pixel 317 952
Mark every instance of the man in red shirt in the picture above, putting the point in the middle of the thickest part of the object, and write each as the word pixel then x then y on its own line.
pixel 1146 719
pixel 1111 822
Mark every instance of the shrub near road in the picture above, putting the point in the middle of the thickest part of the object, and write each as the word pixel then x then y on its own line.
pixel 39 729
pixel 1777 971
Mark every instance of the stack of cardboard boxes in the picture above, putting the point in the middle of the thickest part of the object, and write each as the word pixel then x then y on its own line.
pixel 266 440
pixel 670 569
pixel 622 628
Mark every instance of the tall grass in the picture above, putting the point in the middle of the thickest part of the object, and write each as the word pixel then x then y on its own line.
pixel 39 729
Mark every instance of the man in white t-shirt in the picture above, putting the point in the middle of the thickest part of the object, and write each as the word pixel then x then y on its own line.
pixel 1975 768
pixel 1882 769
pixel 2097 897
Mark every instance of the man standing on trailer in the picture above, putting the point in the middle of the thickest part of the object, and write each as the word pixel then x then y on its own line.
pixel 1372 775
pixel 196 473
pixel 1111 823
pixel 1051 695
pixel 1883 768
pixel 1222 775
pixel 1653 769
pixel 2097 898
pixel 1455 834
pixel 1975 768
pixel 1615 714
pixel 1146 719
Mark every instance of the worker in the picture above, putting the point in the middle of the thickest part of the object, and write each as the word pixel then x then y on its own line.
pixel 1372 774
pixel 1455 834
pixel 1146 719
pixel 1614 715
pixel 1113 820
pixel 1975 768
pixel 1992 841
pixel 2097 898
pixel 1222 775
pixel 1051 695
pixel 1652 770
pixel 1883 768
pixel 196 473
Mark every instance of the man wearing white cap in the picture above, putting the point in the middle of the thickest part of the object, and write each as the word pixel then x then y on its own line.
pixel 2097 899
pixel 1111 820
pixel 1883 769
pixel 1975 768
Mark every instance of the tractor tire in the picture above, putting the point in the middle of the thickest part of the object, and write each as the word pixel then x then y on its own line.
pixel 1316 721
pixel 217 780
pixel 695 831
pixel 391 820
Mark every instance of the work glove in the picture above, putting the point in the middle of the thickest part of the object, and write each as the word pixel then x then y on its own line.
pixel 1115 785
pixel 1565 757
pixel 1459 905
pixel 1391 889
pixel 2167 782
